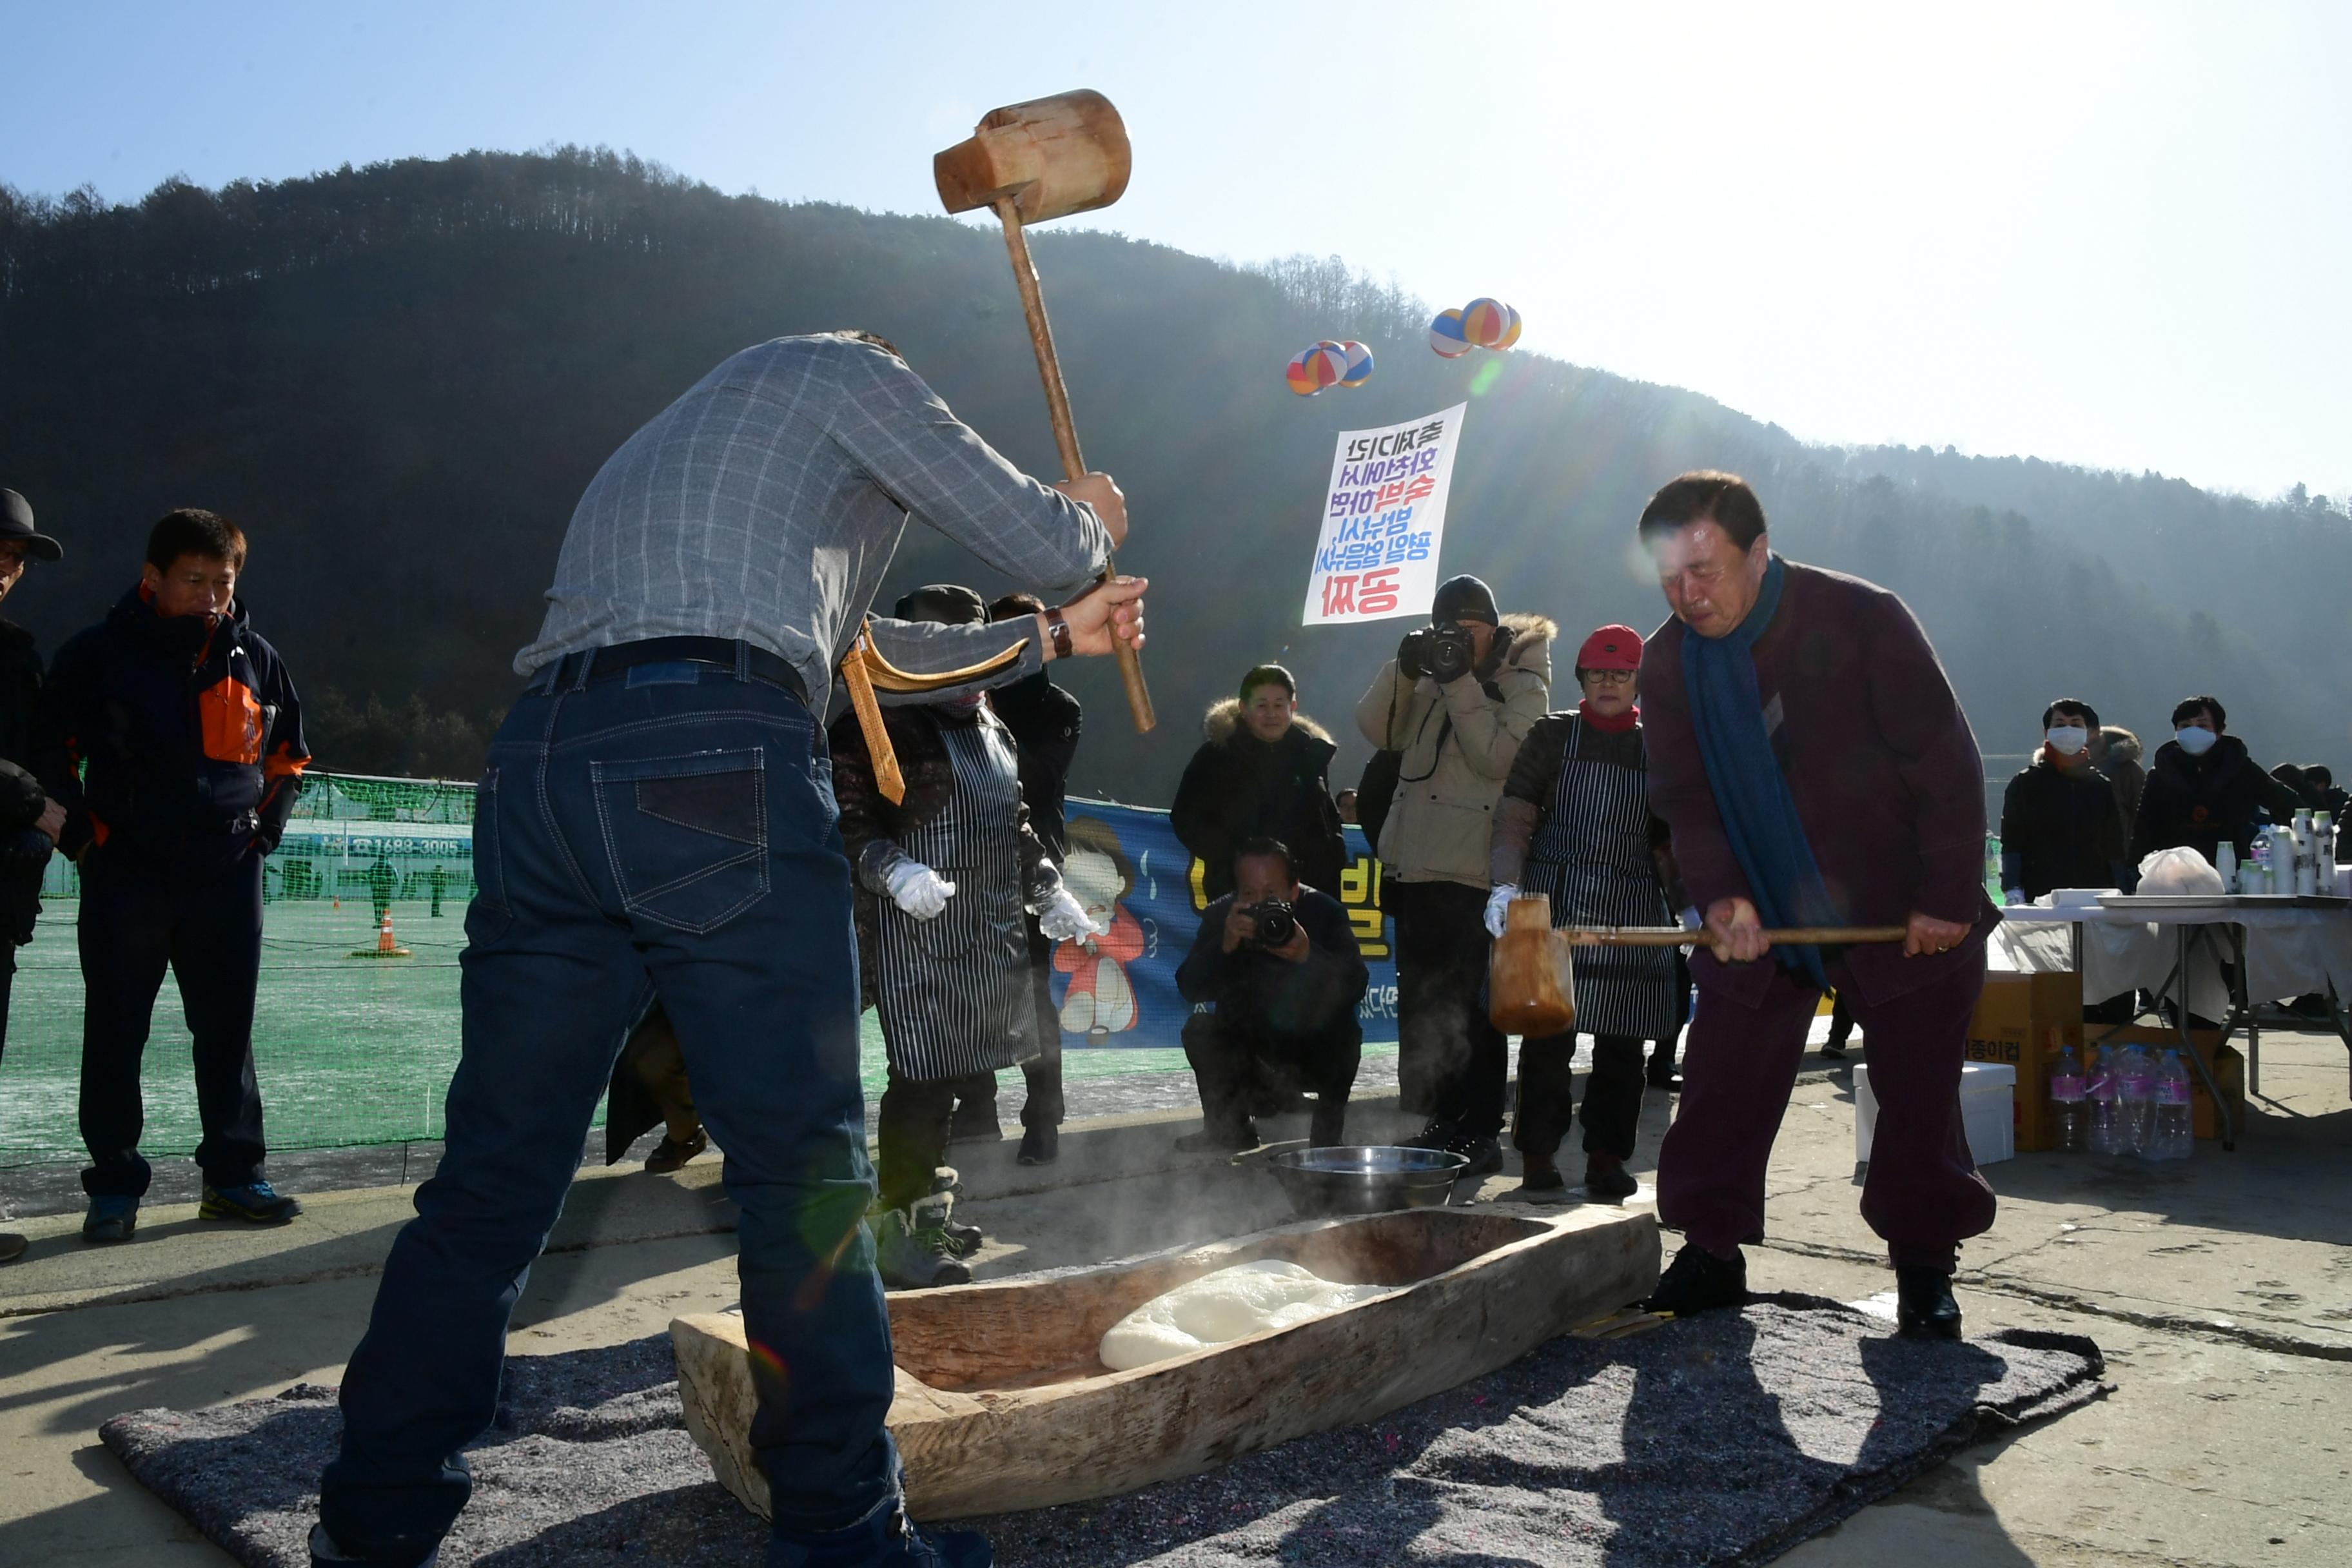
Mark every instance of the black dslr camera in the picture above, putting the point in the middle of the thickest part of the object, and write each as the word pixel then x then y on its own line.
pixel 1277 922
pixel 1444 653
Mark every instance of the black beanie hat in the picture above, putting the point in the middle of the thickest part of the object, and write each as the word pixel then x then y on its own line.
pixel 946 604
pixel 1464 598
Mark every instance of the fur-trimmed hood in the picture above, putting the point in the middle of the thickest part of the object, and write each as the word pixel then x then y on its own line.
pixel 1223 720
pixel 2121 745
pixel 1531 639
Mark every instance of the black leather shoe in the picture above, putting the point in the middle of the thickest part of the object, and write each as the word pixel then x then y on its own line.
pixel 1607 1178
pixel 1699 1281
pixel 1041 1144
pixel 1923 1306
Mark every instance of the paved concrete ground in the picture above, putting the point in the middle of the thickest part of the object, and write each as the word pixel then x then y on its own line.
pixel 2221 1290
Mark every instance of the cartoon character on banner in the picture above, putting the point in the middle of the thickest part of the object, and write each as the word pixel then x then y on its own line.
pixel 1099 1000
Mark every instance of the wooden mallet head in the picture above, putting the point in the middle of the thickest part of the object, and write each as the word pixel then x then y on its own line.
pixel 1053 156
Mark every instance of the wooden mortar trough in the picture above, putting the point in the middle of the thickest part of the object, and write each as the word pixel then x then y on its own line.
pixel 1004 1404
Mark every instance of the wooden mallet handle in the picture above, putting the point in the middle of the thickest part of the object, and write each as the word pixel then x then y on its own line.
pixel 1065 433
pixel 1675 936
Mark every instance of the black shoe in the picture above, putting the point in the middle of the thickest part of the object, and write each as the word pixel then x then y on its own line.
pixel 1219 1140
pixel 1040 1145
pixel 1923 1306
pixel 884 1538
pixel 113 1217
pixel 1485 1154
pixel 670 1154
pixel 256 1203
pixel 12 1246
pixel 1607 1178
pixel 1833 1049
pixel 325 1553
pixel 965 1239
pixel 1699 1281
pixel 1539 1179
pixel 911 1250
pixel 1439 1134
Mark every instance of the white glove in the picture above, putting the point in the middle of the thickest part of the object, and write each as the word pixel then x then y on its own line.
pixel 1064 919
pixel 919 890
pixel 1498 905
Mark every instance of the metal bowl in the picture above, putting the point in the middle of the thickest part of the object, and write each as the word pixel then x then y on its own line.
pixel 1366 1179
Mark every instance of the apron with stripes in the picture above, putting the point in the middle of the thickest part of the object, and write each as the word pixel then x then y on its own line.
pixel 955 991
pixel 1590 855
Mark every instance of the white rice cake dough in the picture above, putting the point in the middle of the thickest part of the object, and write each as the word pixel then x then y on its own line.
pixel 1227 1305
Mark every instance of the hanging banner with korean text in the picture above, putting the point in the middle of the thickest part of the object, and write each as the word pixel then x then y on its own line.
pixel 1383 521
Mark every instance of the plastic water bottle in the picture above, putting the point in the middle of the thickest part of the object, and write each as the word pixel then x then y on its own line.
pixel 2225 860
pixel 2135 1100
pixel 2105 1118
pixel 2173 1137
pixel 2069 1105
pixel 2256 877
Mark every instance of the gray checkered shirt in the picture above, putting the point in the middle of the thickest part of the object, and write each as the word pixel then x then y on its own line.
pixel 802 454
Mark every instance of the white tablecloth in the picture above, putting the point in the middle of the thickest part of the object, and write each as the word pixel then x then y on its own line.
pixel 2289 953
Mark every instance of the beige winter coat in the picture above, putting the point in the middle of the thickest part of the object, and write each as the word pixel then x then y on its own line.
pixel 1437 830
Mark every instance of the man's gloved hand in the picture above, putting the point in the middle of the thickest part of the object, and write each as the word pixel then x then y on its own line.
pixel 1064 919
pixel 1498 904
pixel 2014 896
pixel 919 890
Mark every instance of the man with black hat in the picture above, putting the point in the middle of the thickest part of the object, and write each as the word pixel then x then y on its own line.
pixel 1455 702
pixel 29 820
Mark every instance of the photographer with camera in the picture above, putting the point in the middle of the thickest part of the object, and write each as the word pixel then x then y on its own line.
pixel 1273 978
pixel 1455 704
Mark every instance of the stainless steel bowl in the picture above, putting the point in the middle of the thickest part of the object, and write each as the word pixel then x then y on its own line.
pixel 1366 1179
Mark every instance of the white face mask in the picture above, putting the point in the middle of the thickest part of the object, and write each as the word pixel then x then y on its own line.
pixel 2068 739
pixel 2195 741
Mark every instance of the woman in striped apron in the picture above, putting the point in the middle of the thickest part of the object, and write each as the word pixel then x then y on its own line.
pixel 1574 823
pixel 945 877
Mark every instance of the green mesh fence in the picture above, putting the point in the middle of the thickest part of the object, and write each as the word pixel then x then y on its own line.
pixel 350 1048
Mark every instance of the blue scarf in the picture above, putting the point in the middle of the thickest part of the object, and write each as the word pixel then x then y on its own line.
pixel 1759 817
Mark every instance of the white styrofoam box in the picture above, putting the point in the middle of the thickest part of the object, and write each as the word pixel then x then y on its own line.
pixel 2079 898
pixel 1988 1112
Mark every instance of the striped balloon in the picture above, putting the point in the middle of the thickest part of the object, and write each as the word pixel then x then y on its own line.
pixel 1359 364
pixel 1510 331
pixel 1445 335
pixel 1301 378
pixel 1328 361
pixel 1483 321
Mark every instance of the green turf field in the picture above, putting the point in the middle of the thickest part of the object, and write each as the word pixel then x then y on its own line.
pixel 348 1051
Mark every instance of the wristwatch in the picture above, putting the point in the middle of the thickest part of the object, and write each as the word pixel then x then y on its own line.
pixel 1058 629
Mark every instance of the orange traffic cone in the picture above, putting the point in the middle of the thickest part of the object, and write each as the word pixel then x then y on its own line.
pixel 386 946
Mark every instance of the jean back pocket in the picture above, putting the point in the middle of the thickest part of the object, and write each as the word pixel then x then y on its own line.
pixel 686 836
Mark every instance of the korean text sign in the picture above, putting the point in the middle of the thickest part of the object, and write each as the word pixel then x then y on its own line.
pixel 1383 520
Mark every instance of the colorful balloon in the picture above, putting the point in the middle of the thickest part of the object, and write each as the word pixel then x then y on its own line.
pixel 1300 378
pixel 1446 337
pixel 1317 368
pixel 1483 321
pixel 1359 364
pixel 1510 331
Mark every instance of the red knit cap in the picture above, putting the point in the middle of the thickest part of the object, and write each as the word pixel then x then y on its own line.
pixel 1610 648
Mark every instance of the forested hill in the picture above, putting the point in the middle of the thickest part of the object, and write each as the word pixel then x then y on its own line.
pixel 399 378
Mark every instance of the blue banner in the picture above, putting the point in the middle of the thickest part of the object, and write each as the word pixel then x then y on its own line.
pixel 1127 867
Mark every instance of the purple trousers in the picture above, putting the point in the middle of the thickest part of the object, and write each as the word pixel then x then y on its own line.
pixel 1923 1196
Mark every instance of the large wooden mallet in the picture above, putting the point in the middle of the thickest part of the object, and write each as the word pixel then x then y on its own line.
pixel 1029 161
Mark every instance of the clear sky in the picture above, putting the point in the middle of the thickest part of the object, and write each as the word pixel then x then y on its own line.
pixel 2117 234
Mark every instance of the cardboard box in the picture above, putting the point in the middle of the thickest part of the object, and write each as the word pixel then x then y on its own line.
pixel 2229 1069
pixel 2013 1025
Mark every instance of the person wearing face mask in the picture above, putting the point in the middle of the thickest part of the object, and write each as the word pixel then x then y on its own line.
pixel 943 878
pixel 1263 771
pixel 2203 788
pixel 2058 825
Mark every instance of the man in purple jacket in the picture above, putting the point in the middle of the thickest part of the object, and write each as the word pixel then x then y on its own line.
pixel 1807 751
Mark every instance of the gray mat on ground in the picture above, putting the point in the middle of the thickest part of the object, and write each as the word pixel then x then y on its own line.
pixel 1723 1439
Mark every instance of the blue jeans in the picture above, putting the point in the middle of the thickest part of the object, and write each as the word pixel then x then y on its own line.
pixel 670 829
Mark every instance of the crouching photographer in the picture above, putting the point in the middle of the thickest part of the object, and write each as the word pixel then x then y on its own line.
pixel 1453 706
pixel 1273 978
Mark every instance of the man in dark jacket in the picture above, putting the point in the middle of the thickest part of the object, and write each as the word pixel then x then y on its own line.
pixel 2203 788
pixel 1263 771
pixel 2058 825
pixel 1270 1003
pixel 192 738
pixel 1808 753
pixel 29 820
